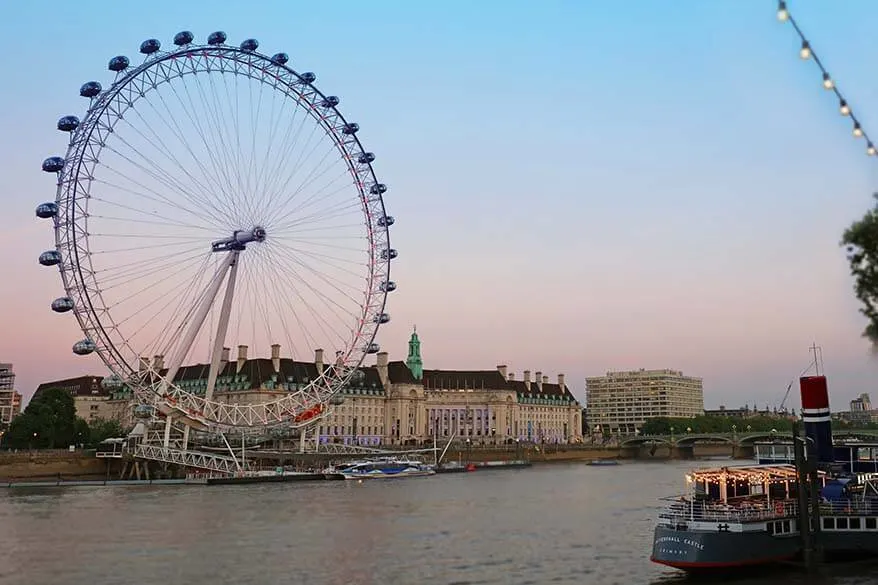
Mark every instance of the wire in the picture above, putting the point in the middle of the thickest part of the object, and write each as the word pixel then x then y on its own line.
pixel 807 53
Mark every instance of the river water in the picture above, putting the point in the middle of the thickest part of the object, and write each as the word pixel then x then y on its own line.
pixel 548 524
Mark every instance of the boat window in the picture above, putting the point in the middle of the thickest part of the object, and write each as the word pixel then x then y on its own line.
pixel 770 527
pixel 871 523
pixel 841 523
pixel 786 526
pixel 855 523
pixel 829 524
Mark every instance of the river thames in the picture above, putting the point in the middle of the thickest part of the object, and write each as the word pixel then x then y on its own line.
pixel 548 524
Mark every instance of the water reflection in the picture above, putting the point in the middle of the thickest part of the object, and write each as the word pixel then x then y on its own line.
pixel 559 524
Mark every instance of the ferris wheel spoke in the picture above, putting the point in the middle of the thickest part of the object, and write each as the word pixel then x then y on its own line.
pixel 172 294
pixel 329 302
pixel 208 185
pixel 154 198
pixel 295 254
pixel 212 151
pixel 151 214
pixel 199 190
pixel 339 285
pixel 282 182
pixel 218 126
pixel 342 209
pixel 325 329
pixel 318 196
pixel 164 180
pixel 146 268
pixel 288 145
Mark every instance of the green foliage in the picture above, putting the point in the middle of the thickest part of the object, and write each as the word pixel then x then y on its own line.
pixel 716 424
pixel 48 422
pixel 101 429
pixel 861 241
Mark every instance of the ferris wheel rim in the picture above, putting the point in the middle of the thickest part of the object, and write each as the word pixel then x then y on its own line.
pixel 71 241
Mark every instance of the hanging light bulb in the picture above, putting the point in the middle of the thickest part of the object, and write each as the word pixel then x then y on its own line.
pixel 782 14
pixel 843 108
pixel 870 150
pixel 827 81
pixel 805 51
pixel 858 132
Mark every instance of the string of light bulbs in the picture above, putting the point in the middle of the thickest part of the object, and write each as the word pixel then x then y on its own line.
pixel 807 53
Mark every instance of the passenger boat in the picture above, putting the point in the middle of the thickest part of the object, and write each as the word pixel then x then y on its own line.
pixel 383 468
pixel 749 515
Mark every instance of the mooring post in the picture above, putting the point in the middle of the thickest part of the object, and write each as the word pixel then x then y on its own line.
pixel 802 490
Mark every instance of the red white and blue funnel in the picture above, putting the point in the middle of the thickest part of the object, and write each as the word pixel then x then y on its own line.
pixel 815 414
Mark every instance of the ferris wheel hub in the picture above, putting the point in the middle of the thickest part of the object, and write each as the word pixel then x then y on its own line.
pixel 239 240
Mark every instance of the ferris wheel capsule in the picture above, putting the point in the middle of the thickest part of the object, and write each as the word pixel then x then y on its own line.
pixel 47 210
pixel 50 258
pixel 84 347
pixel 112 383
pixel 330 101
pixel 150 46
pixel 280 58
pixel 216 38
pixel 62 305
pixel 250 45
pixel 308 77
pixel 183 38
pixel 118 63
pixel 386 221
pixel 373 348
pixel 382 318
pixel 53 164
pixel 389 254
pixel 366 158
pixel 68 123
pixel 90 89
pixel 388 286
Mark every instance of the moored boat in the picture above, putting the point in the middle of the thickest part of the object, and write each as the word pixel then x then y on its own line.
pixel 749 515
pixel 383 468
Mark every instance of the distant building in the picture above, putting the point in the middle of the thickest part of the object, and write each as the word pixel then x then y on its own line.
pixel 620 402
pixel 7 394
pixel 861 410
pixel 16 404
pixel 742 412
pixel 90 398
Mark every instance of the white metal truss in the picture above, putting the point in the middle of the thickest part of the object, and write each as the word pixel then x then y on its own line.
pixel 196 459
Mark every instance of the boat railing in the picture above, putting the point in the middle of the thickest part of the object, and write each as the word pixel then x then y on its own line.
pixel 682 510
pixel 852 507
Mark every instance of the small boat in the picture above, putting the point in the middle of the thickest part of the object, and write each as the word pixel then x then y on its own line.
pixel 383 468
pixel 602 462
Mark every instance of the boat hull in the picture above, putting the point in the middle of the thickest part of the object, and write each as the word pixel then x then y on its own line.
pixel 695 550
pixel 382 475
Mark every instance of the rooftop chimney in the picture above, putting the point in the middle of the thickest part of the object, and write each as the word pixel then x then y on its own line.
pixel 158 362
pixel 511 376
pixel 526 375
pixel 318 361
pixel 242 356
pixel 545 379
pixel 225 355
pixel 381 365
pixel 561 382
pixel 275 356
pixel 538 378
pixel 502 370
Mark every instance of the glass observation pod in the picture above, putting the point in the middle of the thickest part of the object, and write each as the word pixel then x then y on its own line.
pixel 373 348
pixel 112 383
pixel 84 347
pixel 386 221
pixel 47 210
pixel 62 305
pixel 50 258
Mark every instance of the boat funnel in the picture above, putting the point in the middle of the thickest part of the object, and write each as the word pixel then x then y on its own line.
pixel 815 414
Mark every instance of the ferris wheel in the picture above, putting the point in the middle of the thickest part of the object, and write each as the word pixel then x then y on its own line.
pixel 211 197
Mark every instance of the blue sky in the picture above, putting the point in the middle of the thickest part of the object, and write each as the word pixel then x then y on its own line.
pixel 578 186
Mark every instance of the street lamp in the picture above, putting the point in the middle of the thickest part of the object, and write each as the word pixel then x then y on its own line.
pixel 469 445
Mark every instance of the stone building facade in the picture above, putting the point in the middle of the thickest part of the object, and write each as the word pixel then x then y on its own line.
pixel 390 402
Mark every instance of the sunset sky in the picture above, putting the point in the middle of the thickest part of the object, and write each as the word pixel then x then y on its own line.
pixel 579 186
